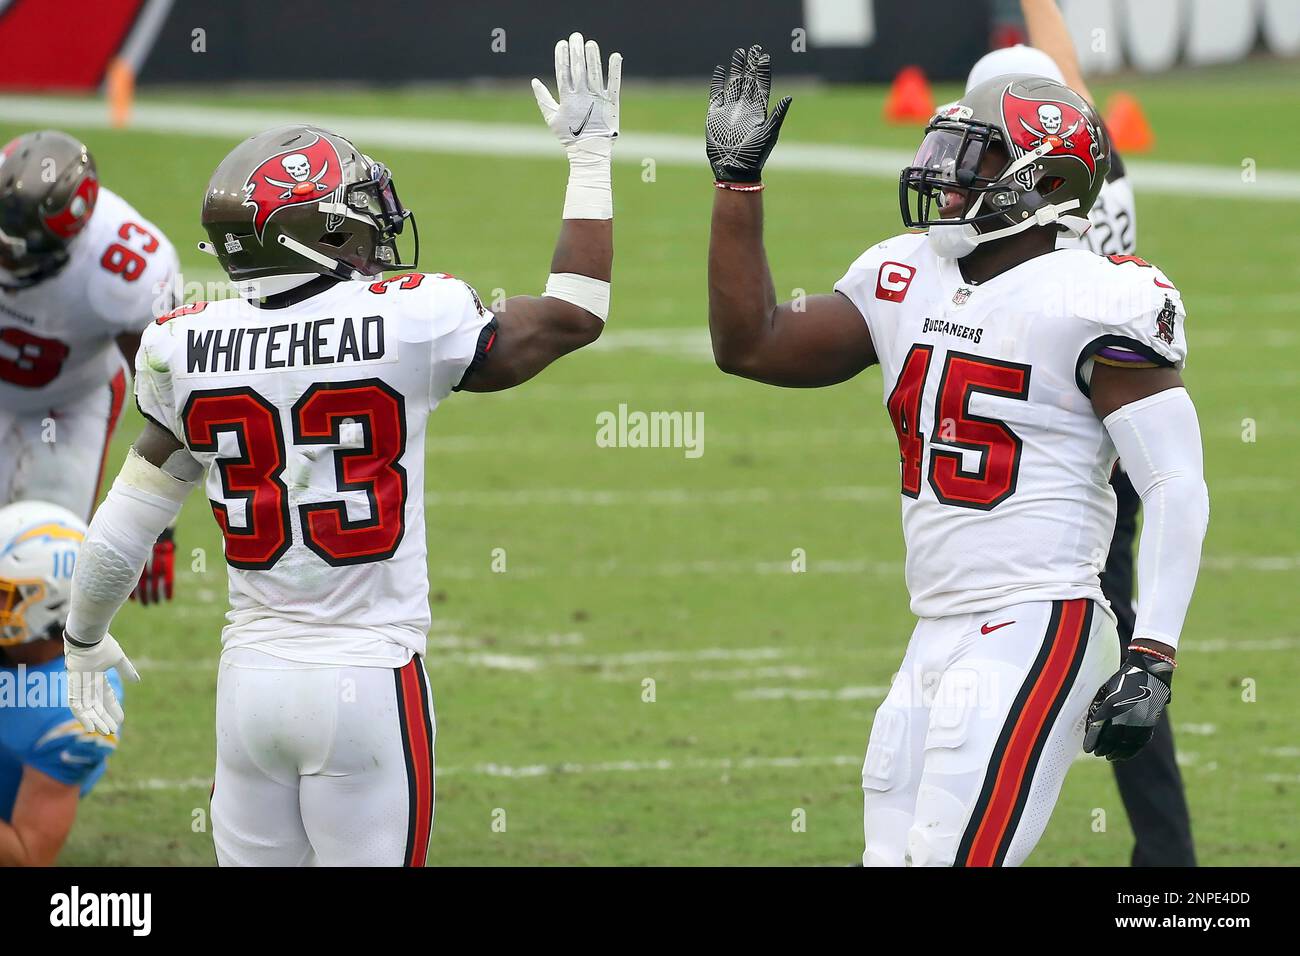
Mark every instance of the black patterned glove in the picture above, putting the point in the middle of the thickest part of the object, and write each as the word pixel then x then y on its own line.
pixel 1125 711
pixel 739 132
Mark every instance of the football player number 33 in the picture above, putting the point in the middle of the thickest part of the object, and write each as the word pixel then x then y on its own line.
pixel 996 444
pixel 255 474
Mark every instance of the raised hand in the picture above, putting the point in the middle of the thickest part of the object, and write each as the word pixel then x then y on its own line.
pixel 739 132
pixel 588 106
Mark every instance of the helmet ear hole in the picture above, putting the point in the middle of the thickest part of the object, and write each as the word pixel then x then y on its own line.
pixel 335 240
pixel 1049 184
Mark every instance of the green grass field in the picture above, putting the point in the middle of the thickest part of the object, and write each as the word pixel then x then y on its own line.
pixel 631 564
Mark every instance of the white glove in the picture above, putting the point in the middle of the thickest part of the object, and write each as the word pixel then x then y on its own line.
pixel 90 696
pixel 588 108
pixel 586 122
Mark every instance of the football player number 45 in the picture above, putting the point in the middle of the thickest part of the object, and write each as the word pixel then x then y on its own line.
pixel 996 445
pixel 255 473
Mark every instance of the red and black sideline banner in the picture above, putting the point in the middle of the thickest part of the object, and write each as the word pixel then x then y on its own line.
pixel 64 45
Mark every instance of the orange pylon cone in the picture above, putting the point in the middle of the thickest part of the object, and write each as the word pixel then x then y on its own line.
pixel 1129 130
pixel 121 92
pixel 910 99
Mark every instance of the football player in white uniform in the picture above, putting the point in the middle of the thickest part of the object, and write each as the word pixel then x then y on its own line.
pixel 303 410
pixel 1150 784
pixel 82 274
pixel 1014 373
pixel 48 760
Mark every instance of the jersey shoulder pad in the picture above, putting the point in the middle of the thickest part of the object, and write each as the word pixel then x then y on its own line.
pixel 906 251
pixel 1135 315
pixel 68 753
pixel 431 304
pixel 880 279
pixel 1142 305
pixel 155 391
pixel 192 309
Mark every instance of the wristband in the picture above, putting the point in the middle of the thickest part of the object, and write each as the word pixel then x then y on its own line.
pixel 1153 653
pixel 582 291
pixel 741 187
pixel 589 194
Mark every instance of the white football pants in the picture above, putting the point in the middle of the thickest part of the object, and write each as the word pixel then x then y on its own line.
pixel 58 455
pixel 319 765
pixel 970 747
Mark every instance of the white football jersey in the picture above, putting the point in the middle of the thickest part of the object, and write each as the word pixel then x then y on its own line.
pixel 1114 221
pixel 57 337
pixel 309 420
pixel 1005 467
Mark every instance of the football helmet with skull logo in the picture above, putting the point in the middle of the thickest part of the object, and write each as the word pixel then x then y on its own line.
pixel 1015 152
pixel 48 189
pixel 300 200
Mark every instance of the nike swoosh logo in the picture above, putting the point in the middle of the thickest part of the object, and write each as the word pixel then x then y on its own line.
pixel 583 125
pixel 986 629
pixel 1146 692
pixel 1163 285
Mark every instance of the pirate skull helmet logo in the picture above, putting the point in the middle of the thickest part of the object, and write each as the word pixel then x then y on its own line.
pixel 307 173
pixel 1049 118
pixel 298 166
pixel 1058 125
pixel 304 181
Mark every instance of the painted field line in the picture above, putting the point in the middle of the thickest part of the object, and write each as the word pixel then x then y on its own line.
pixel 495 499
pixel 113 785
pixel 756 673
pixel 677 497
pixel 736 440
pixel 501 660
pixel 533 140
pixel 1266 645
pixel 526 771
pixel 850 566
pixel 802 694
pixel 530 771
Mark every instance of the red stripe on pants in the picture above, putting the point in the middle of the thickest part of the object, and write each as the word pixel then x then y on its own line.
pixel 1032 724
pixel 414 704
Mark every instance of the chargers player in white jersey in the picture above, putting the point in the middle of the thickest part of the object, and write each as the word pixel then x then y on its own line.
pixel 1014 373
pixel 303 409
pixel 82 275
pixel 48 761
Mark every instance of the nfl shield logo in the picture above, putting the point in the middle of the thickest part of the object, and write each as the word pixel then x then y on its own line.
pixel 960 296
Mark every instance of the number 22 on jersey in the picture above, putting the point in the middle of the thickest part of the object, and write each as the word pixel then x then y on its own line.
pixel 255 474
pixel 997 446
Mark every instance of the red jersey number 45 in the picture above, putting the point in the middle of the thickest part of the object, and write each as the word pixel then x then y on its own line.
pixel 996 446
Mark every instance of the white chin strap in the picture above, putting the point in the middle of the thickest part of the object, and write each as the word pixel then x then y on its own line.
pixel 956 242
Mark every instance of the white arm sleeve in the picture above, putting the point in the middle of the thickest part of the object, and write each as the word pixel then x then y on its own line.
pixel 1159 442
pixel 143 501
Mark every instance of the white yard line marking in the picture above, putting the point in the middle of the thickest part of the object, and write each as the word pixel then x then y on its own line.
pixel 503 139
pixel 738 440
pixel 1235 645
pixel 516 662
pixel 615 497
pixel 850 566
pixel 640 766
pixel 113 785
pixel 1282 751
pixel 530 771
pixel 812 693
pixel 755 673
